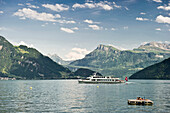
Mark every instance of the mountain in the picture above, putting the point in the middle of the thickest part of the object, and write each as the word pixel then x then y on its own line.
pixel 83 73
pixel 109 60
pixel 157 71
pixel 28 63
pixel 59 60
pixel 154 47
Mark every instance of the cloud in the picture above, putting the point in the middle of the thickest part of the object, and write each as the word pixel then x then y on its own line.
pixel 57 16
pixel 76 5
pixel 67 30
pixel 88 21
pixel 116 6
pixel 167 8
pixel 104 6
pixel 32 6
pixel 23 43
pixel 158 29
pixel 95 27
pixel 101 5
pixel 141 19
pixel 159 1
pixel 113 29
pixel 3 28
pixel 75 28
pixel 1 12
pixel 34 15
pixel 162 19
pixel 125 27
pixel 142 13
pixel 56 7
pixel 126 8
pixel 65 22
pixel 76 53
pixel 20 4
pixel 91 22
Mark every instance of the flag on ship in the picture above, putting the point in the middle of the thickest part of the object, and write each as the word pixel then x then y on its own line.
pixel 126 79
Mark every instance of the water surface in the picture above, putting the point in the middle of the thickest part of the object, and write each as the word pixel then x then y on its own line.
pixel 69 96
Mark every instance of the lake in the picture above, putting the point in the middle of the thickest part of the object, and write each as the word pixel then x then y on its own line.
pixel 69 96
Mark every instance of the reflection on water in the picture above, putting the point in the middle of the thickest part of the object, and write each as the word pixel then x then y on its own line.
pixel 69 96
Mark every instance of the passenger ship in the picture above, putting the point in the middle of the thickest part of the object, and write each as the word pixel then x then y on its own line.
pixel 101 80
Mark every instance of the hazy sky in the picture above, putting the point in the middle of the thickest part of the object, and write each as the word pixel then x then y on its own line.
pixel 73 28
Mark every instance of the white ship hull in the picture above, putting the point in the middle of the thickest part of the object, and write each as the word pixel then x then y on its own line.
pixel 100 82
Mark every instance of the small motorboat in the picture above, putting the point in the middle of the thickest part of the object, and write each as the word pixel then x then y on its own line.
pixel 140 101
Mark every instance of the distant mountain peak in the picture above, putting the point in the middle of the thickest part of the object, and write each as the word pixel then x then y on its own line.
pixel 105 47
pixel 164 46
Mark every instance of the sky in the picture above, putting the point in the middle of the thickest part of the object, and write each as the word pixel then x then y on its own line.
pixel 73 28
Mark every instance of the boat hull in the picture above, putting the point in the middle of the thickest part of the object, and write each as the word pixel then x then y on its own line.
pixel 140 102
pixel 99 82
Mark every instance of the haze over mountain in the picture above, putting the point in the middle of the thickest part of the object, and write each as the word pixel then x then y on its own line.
pixel 157 71
pixel 28 63
pixel 58 59
pixel 111 61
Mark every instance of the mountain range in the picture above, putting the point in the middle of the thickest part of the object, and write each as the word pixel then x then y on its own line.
pixel 157 71
pixel 109 60
pixel 58 59
pixel 22 62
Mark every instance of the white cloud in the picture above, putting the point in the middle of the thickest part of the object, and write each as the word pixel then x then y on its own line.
pixel 167 8
pixel 2 28
pixel 95 27
pixel 88 21
pixel 141 19
pixel 90 5
pixel 159 1
pixel 126 8
pixel 57 16
pixel 56 7
pixel 75 28
pixel 125 27
pixel 162 19
pixel 32 6
pixel 76 53
pixel 65 22
pixel 102 5
pixel 66 30
pixel 43 25
pixel 76 5
pixel 158 29
pixel 116 6
pixel 20 4
pixel 34 15
pixel 23 43
pixel 168 29
pixel 1 12
pixel 142 13
pixel 113 29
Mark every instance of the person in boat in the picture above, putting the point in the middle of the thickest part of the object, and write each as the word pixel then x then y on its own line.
pixel 139 98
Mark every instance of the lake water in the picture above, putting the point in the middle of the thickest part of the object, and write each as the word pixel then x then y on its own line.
pixel 69 96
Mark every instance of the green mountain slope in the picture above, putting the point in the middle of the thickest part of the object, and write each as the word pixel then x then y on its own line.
pixel 111 61
pixel 83 73
pixel 157 71
pixel 27 63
